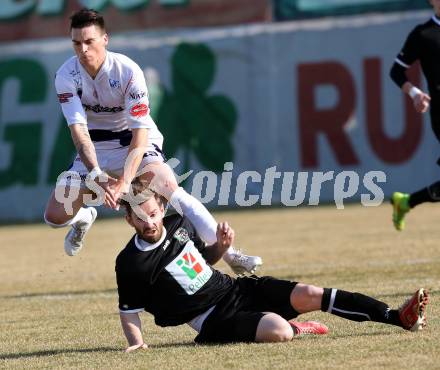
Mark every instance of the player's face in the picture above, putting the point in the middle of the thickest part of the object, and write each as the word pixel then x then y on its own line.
pixel 436 5
pixel 89 44
pixel 147 219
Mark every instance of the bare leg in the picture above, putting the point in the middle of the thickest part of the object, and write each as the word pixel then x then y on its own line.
pixel 306 298
pixel 273 328
pixel 59 214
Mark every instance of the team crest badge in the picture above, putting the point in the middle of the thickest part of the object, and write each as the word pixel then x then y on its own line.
pixel 181 235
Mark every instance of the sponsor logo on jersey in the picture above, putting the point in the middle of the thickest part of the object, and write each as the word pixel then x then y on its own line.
pixel 64 98
pixel 139 110
pixel 189 265
pixel 189 269
pixel 98 108
pixel 114 84
pixel 137 95
pixel 165 246
pixel 181 235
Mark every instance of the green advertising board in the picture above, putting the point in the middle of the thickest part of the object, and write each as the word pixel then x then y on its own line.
pixel 298 9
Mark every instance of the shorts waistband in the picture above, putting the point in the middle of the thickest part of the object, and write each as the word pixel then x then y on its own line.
pixel 107 135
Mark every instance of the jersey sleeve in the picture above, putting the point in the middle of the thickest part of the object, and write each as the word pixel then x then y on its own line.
pixel 198 242
pixel 70 102
pixel 410 51
pixel 129 292
pixel 136 101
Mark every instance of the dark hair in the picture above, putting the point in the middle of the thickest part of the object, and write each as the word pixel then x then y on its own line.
pixel 142 192
pixel 87 17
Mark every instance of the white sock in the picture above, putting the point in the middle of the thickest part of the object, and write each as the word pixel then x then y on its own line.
pixel 83 215
pixel 196 212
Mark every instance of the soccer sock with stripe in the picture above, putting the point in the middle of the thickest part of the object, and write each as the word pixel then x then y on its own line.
pixel 358 307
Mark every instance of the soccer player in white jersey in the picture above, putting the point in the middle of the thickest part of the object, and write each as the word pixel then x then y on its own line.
pixel 104 98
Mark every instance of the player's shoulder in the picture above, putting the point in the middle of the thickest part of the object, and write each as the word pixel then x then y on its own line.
pixel 172 221
pixel 68 68
pixel 127 252
pixel 429 24
pixel 177 225
pixel 123 61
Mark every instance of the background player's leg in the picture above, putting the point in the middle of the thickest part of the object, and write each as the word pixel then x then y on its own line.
pixel 404 202
pixel 429 194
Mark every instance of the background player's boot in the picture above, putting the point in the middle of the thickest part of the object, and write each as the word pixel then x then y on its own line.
pixel 241 263
pixel 400 208
pixel 412 313
pixel 74 240
pixel 308 327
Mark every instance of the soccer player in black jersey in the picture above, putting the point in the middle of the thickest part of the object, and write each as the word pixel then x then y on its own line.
pixel 165 269
pixel 422 44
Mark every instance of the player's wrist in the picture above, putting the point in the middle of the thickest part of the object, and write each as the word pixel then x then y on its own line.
pixel 95 172
pixel 414 91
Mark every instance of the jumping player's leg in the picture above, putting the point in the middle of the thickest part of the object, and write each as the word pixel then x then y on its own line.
pixel 358 307
pixel 74 214
pixel 161 179
pixel 59 214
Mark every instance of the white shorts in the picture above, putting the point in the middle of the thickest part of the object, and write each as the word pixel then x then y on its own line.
pixel 111 159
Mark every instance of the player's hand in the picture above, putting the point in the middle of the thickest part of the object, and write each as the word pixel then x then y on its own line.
pixel 104 182
pixel 109 200
pixel 119 188
pixel 225 235
pixel 421 102
pixel 136 347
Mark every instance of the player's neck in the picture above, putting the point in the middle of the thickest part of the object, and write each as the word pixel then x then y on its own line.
pixel 94 68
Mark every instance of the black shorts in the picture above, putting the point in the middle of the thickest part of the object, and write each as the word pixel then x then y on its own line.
pixel 235 318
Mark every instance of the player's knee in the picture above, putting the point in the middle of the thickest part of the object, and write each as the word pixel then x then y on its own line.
pixel 273 328
pixel 282 332
pixel 53 218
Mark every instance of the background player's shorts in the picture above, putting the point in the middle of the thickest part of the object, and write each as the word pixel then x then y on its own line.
pixel 111 159
pixel 235 318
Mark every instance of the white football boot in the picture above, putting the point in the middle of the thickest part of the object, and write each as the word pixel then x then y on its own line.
pixel 241 263
pixel 74 240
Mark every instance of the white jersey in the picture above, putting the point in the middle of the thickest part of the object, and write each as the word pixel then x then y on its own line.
pixel 116 100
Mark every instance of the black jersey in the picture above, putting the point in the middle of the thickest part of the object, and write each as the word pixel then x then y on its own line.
pixel 423 44
pixel 169 279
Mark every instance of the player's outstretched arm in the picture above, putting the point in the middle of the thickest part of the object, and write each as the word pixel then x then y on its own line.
pixel 86 151
pixel 225 238
pixel 131 325
pixel 135 154
pixel 84 145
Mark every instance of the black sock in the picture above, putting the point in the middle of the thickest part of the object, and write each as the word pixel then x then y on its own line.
pixel 358 307
pixel 428 194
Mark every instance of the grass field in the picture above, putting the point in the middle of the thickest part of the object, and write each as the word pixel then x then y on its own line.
pixel 61 312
